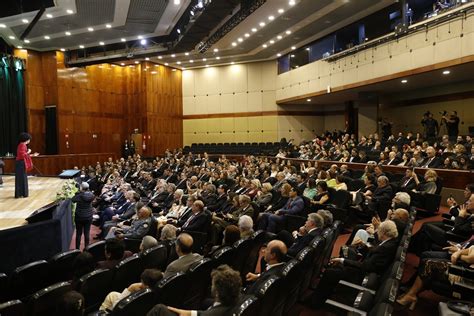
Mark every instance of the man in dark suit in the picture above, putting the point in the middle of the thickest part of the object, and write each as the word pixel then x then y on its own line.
pixel 312 228
pixel 275 254
pixel 354 156
pixel 225 287
pixel 431 161
pixel 377 260
pixel 407 183
pixel 218 205
pixel 199 221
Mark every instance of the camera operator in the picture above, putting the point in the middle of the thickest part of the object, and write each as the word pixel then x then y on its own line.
pixel 452 124
pixel 430 126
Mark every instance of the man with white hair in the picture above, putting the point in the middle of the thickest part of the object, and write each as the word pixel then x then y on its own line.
pixel 377 260
pixel 147 243
pixel 245 226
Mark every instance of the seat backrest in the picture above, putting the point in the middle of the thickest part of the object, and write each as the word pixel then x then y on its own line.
pixel 13 308
pixel 30 278
pixel 199 285
pixel 4 287
pixel 247 306
pixel 170 289
pixel 242 247
pixel 138 303
pixel 44 301
pixel 342 199
pixel 270 293
pixel 97 250
pixel 127 272
pixel 292 274
pixel 62 263
pixel 95 286
pixel 199 241
pixel 155 258
pixel 225 255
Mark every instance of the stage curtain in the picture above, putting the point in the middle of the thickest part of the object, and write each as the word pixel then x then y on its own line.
pixel 13 114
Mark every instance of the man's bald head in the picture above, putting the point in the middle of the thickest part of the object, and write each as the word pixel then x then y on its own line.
pixel 184 244
pixel 275 252
pixel 401 214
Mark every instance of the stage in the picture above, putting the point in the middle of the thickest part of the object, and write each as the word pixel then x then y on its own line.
pixel 13 211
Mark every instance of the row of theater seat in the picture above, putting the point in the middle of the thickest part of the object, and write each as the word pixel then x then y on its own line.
pixel 267 149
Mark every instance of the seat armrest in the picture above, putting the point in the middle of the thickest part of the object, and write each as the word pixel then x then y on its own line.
pixel 461 271
pixel 455 237
pixel 356 287
pixel 343 307
pixel 448 222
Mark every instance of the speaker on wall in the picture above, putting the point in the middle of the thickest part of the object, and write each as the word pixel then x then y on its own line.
pixel 51 130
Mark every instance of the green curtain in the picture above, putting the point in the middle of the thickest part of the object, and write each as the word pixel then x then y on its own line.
pixel 13 114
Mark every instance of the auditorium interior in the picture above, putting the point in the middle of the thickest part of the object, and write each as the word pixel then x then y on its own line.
pixel 237 157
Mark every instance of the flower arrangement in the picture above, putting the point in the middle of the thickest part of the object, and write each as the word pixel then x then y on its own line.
pixel 67 191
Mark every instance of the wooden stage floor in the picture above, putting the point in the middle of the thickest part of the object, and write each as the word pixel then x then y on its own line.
pixel 13 211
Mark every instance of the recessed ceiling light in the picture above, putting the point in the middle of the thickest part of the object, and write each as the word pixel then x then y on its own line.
pixel 112 65
pixel 297 66
pixel 183 68
pixel 11 37
pixel 143 41
pixel 264 46
pixel 147 58
pixel 218 58
pixel 177 2
pixel 69 11
pixel 154 72
pixel 49 15
pixel 3 26
pixel 173 55
pixel 108 26
pixel 307 48
pixel 90 29
pixel 232 63
pixel 47 37
pixel 131 66
pixel 67 33
pixel 137 62
pixel 160 57
pixel 24 21
pixel 173 70
pixel 204 59
pixel 292 56
pixel 179 31
pixel 288 32
pixel 122 64
pixel 26 41
pixel 247 35
pixel 178 62
pixel 279 37
pixel 404 81
pixel 139 36
pixel 254 30
pixel 101 43
pixel 308 100
pixel 207 66
pixel 234 44
pixel 278 55
pixel 446 72
pixel 81 46
pixel 281 11
pixel 292 2
pixel 262 24
pixel 216 50
pixel 191 61
pixel 293 47
pixel 187 54
pixel 166 64
pixel 240 39
pixel 123 39
pixel 19 47
pixel 62 49
pixel 272 42
pixel 271 18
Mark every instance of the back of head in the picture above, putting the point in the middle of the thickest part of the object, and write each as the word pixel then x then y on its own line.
pixel 231 235
pixel 388 229
pixel 84 186
pixel 245 222
pixel 150 277
pixel 71 304
pixel 148 242
pixel 402 215
pixel 184 243
pixel 83 264
pixel 327 217
pixel 114 249
pixel 278 249
pixel 168 232
pixel 226 285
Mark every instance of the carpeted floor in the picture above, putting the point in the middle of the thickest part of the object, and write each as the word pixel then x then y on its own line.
pixel 427 302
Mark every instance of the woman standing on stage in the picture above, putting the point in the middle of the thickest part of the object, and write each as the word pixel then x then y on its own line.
pixel 22 164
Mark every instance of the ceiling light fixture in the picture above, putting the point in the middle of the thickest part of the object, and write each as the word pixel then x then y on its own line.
pixel 292 2
pixel 47 37
pixel 19 47
pixel 234 44
pixel 101 43
pixel 292 56
pixel 240 39
pixel 308 100
pixel 278 55
pixel 177 2
pixel 90 29
pixel 216 50
pixel 281 11
pixel 3 26
pixel 187 54
pixel 272 42
pixel 293 47
pixel 160 57
pixel 49 15
pixel 25 21
pixel 288 32
pixel 173 55
pixel 122 64
pixel 147 58
pixel 404 81
pixel 262 24
pixel 254 30
pixel 137 62
pixel 271 18
pixel 178 62
pixel 279 37
pixel 218 58
pixel 140 37
pixel 446 72
pixel 173 70
pixel 69 11
pixel 308 49
pixel 204 59
pixel 81 46
pixel 232 63
pixel 207 66
pixel 166 64
pixel 179 31
pixel 67 33
pixel 123 39
pixel 27 41
pixel 62 49
pixel 247 35
pixel 143 42
pixel 108 26
pixel 191 61
pixel 11 37
pixel 264 46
